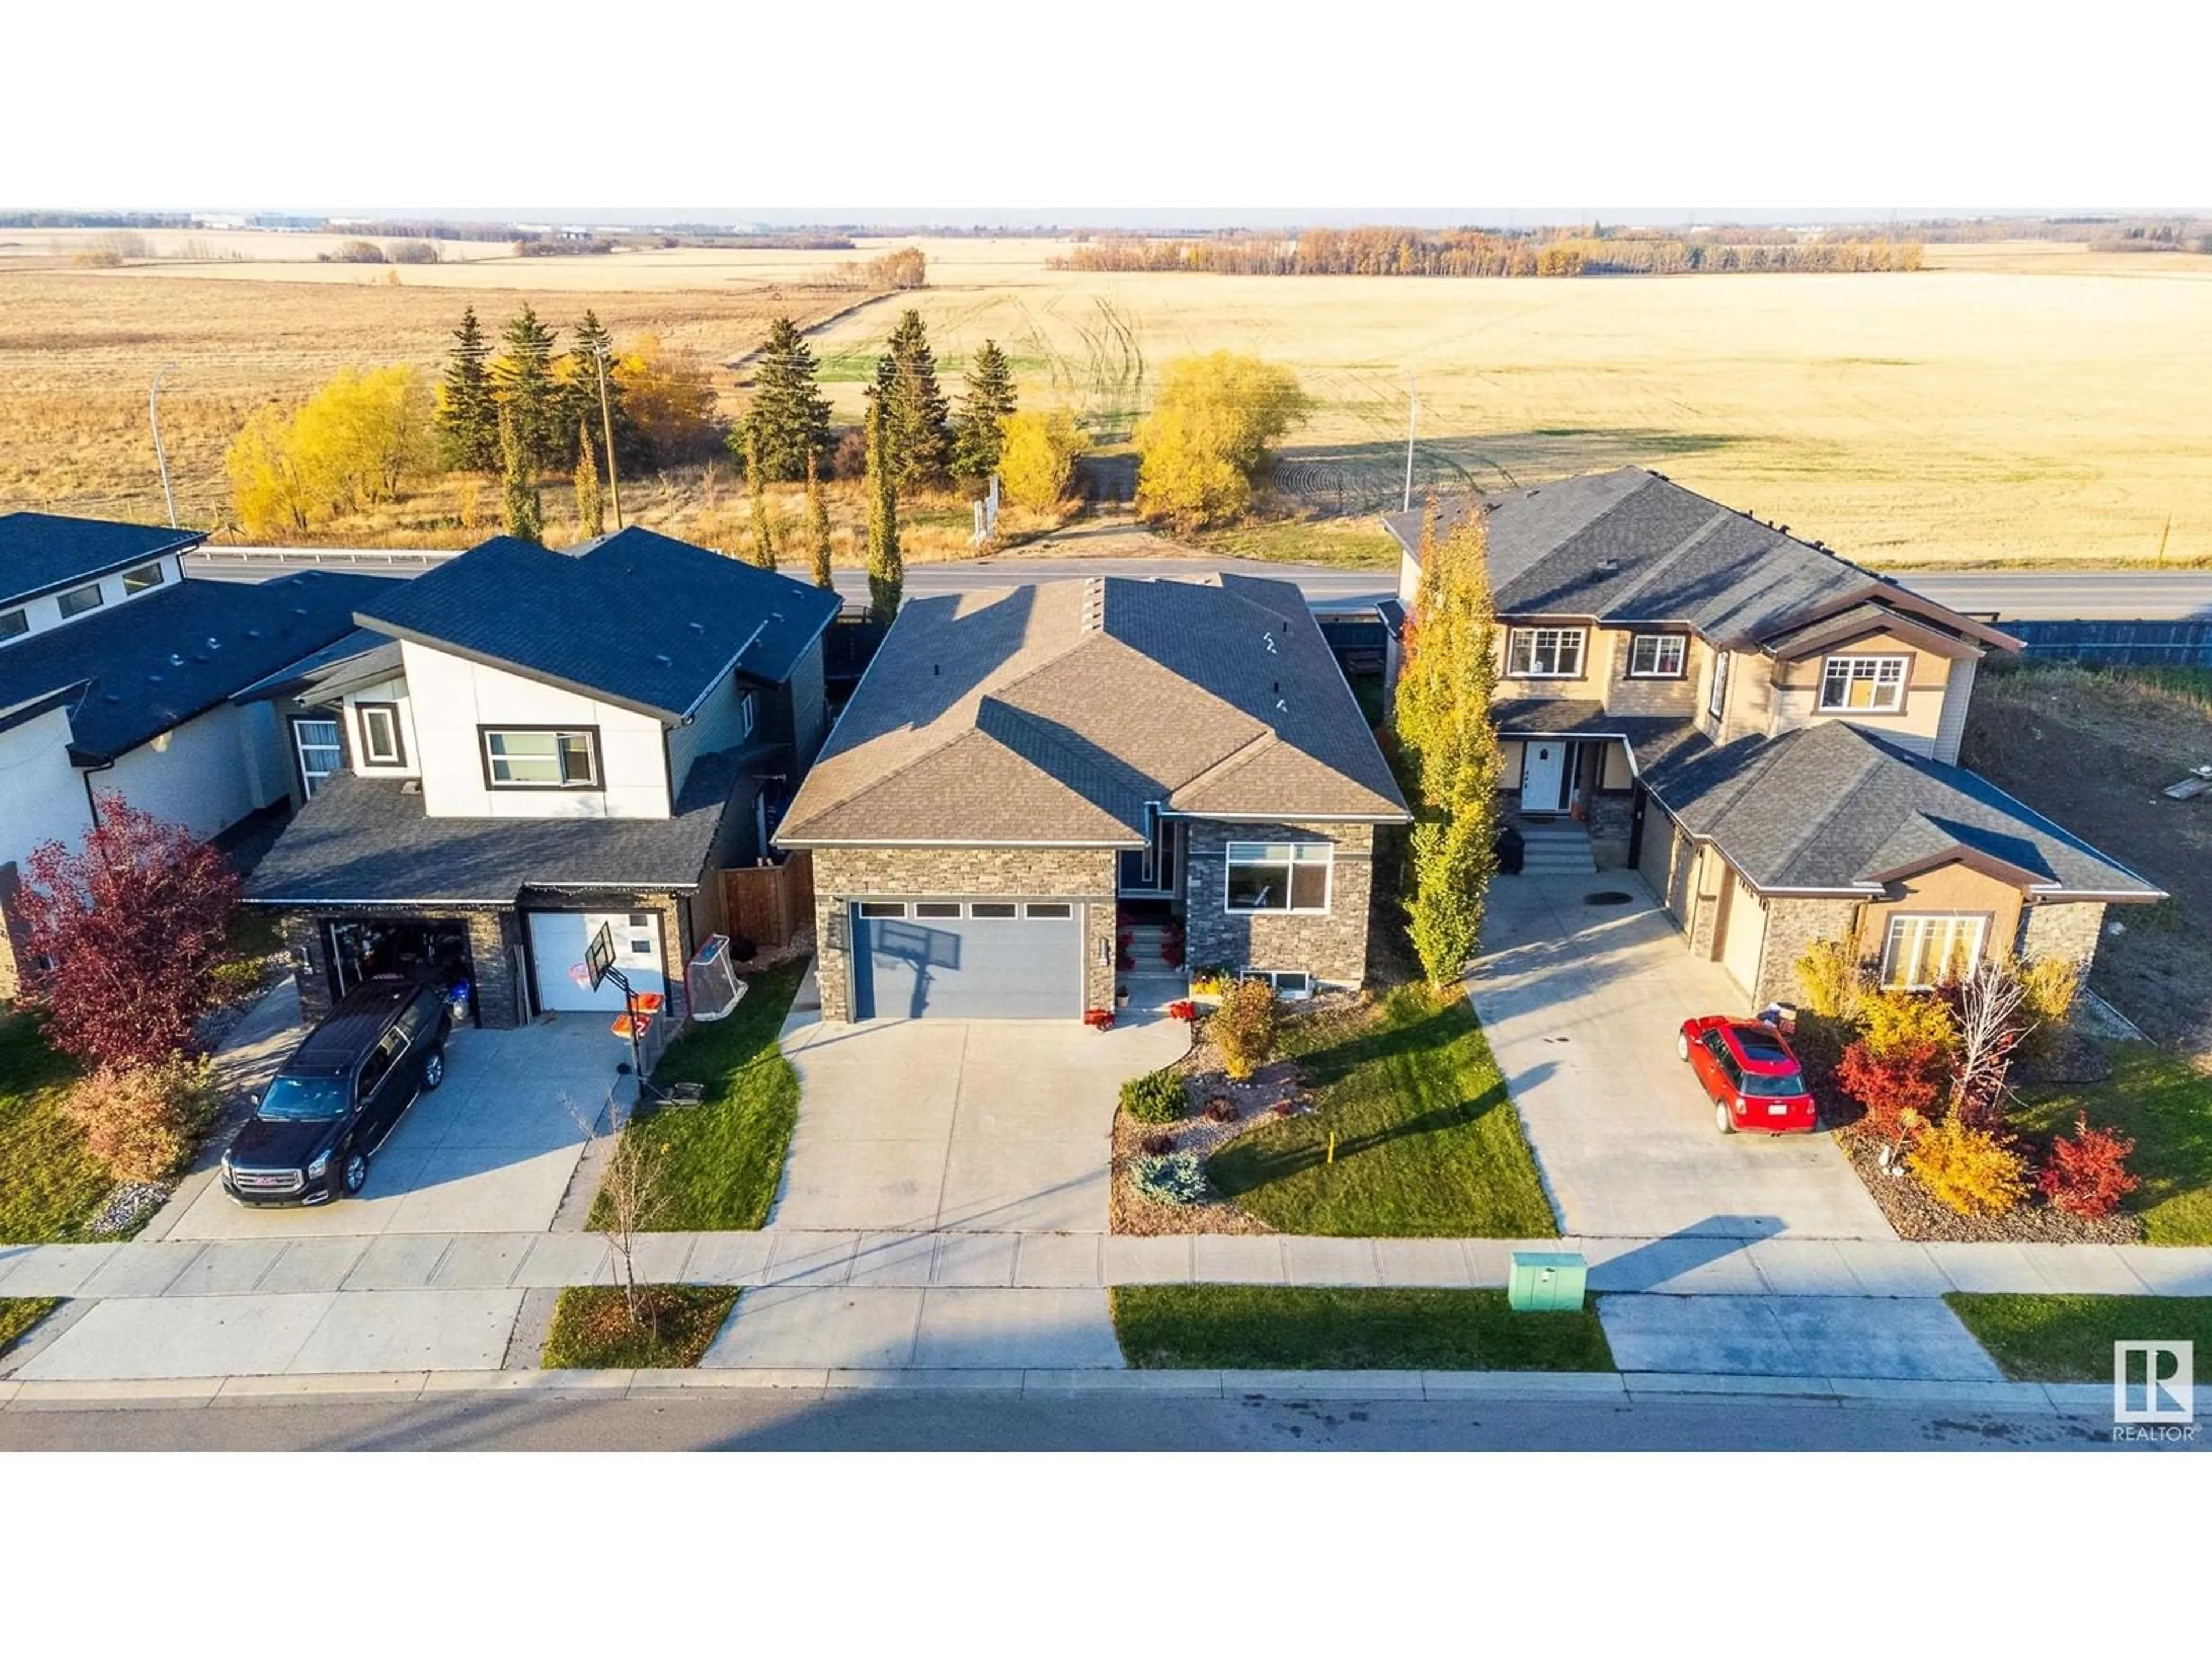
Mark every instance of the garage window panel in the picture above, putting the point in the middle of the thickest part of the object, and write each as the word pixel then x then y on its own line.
pixel 1921 953
pixel 994 912
pixel 1290 876
pixel 940 909
pixel 879 908
pixel 1048 912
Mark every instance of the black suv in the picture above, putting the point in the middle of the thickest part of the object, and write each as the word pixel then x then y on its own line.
pixel 328 1111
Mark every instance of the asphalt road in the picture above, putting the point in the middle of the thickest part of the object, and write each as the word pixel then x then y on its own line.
pixel 778 1420
pixel 2023 594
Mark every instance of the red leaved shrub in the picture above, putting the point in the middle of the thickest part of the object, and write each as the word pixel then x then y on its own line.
pixel 1906 1078
pixel 2087 1174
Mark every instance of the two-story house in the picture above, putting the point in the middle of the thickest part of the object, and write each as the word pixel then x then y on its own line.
pixel 116 675
pixel 1767 732
pixel 523 746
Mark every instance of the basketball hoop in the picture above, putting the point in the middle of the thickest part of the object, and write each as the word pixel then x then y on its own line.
pixel 581 973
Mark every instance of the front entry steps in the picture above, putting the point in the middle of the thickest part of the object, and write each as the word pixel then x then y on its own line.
pixel 1558 848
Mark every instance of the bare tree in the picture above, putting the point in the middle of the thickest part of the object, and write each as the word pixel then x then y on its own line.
pixel 1991 1024
pixel 632 1197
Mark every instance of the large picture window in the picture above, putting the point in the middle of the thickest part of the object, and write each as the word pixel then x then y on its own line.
pixel 1924 951
pixel 1544 654
pixel 542 759
pixel 1284 875
pixel 1658 656
pixel 1869 685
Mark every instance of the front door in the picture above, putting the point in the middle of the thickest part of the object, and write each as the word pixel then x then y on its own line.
pixel 1543 774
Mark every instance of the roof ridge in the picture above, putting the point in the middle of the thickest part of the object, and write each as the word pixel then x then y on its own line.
pixel 1665 561
pixel 1238 758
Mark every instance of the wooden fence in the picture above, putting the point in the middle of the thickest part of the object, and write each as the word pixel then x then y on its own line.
pixel 769 903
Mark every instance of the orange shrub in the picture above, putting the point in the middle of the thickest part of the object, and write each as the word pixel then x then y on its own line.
pixel 1969 1171
pixel 1244 1027
pixel 142 1121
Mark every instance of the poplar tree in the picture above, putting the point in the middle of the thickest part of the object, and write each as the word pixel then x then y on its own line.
pixel 789 417
pixel 522 375
pixel 526 512
pixel 591 504
pixel 978 436
pixel 468 415
pixel 763 532
pixel 917 433
pixel 886 575
pixel 818 523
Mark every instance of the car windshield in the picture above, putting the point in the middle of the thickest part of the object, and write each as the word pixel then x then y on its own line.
pixel 303 1099
pixel 1774 1085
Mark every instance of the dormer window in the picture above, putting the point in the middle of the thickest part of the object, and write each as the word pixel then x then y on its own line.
pixel 541 758
pixel 1864 685
pixel 1544 654
pixel 78 600
pixel 145 576
pixel 1658 656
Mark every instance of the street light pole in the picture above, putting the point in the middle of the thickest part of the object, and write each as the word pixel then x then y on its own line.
pixel 160 455
pixel 607 426
pixel 1412 414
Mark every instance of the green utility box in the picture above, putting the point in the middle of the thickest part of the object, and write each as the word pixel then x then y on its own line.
pixel 1547 1281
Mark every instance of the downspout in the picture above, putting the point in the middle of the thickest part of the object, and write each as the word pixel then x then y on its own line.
pixel 91 801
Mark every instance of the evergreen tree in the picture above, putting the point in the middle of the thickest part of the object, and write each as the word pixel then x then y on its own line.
pixel 978 436
pixel 468 416
pixel 818 523
pixel 763 532
pixel 525 513
pixel 591 505
pixel 886 575
pixel 523 376
pixel 789 419
pixel 917 433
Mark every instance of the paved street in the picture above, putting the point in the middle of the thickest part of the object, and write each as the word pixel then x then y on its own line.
pixel 1582 1005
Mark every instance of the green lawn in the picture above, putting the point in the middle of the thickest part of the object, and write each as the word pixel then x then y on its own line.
pixel 591 1328
pixel 19 1313
pixel 1427 1143
pixel 2166 1105
pixel 2069 1339
pixel 1355 543
pixel 720 1161
pixel 1278 1328
pixel 49 1184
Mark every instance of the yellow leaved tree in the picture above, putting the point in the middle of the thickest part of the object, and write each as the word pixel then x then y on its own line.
pixel 1207 435
pixel 1037 456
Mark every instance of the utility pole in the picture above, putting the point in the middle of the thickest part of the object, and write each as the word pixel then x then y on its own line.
pixel 1412 414
pixel 160 455
pixel 607 426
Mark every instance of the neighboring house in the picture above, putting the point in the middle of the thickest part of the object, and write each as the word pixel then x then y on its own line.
pixel 1018 763
pixel 1769 733
pixel 522 746
pixel 116 674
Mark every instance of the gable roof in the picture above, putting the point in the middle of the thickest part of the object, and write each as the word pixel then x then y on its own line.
pixel 1055 712
pixel 1633 546
pixel 41 551
pixel 634 619
pixel 153 664
pixel 1833 808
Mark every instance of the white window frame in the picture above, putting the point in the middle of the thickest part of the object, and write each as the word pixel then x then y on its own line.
pixel 369 757
pixel 87 599
pixel 1524 645
pixel 1914 930
pixel 748 712
pixel 493 762
pixel 1660 643
pixel 1717 698
pixel 1886 672
pixel 1261 855
pixel 309 777
pixel 144 577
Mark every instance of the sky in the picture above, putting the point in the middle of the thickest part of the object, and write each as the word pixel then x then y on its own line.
pixel 1139 112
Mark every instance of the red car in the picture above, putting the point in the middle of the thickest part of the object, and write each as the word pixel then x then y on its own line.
pixel 1749 1074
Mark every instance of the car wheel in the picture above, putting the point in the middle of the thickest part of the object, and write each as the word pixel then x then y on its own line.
pixel 1721 1121
pixel 433 1069
pixel 1681 1046
pixel 354 1175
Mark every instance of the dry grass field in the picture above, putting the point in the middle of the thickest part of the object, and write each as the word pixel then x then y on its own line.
pixel 2016 401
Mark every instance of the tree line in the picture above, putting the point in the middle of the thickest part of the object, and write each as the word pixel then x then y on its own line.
pixel 1384 251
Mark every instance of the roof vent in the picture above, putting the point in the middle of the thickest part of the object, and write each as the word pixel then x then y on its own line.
pixel 253 633
pixel 698 627
pixel 1268 641
pixel 1782 529
pixel 176 660
pixel 1281 708
pixel 213 643
pixel 298 610
pixel 1608 566
pixel 662 658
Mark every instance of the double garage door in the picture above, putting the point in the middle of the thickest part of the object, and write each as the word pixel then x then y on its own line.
pixel 925 958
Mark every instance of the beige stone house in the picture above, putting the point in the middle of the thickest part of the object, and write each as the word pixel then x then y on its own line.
pixel 1027 775
pixel 1768 732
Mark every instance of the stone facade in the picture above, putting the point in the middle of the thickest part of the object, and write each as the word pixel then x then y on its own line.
pixel 2071 931
pixel 1793 926
pixel 1611 819
pixel 842 874
pixel 1331 946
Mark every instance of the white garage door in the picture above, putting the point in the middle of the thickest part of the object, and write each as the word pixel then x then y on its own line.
pixel 1746 921
pixel 557 938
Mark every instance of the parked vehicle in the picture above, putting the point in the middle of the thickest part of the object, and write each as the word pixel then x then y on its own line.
pixel 1749 1074
pixel 325 1114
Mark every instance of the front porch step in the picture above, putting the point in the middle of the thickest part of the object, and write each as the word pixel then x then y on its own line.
pixel 1556 849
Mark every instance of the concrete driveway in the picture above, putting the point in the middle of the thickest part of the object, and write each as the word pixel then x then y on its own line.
pixel 492 1151
pixel 1582 1005
pixel 994 1126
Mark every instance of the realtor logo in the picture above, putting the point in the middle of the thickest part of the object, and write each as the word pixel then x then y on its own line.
pixel 2152 1382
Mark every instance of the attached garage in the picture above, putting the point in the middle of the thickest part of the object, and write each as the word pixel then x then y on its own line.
pixel 557 942
pixel 1743 932
pixel 944 958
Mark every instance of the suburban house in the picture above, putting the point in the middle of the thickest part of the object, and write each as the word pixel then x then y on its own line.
pixel 1024 769
pixel 116 674
pixel 521 747
pixel 1768 732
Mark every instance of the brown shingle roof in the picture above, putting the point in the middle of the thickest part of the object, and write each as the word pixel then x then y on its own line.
pixel 1055 713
